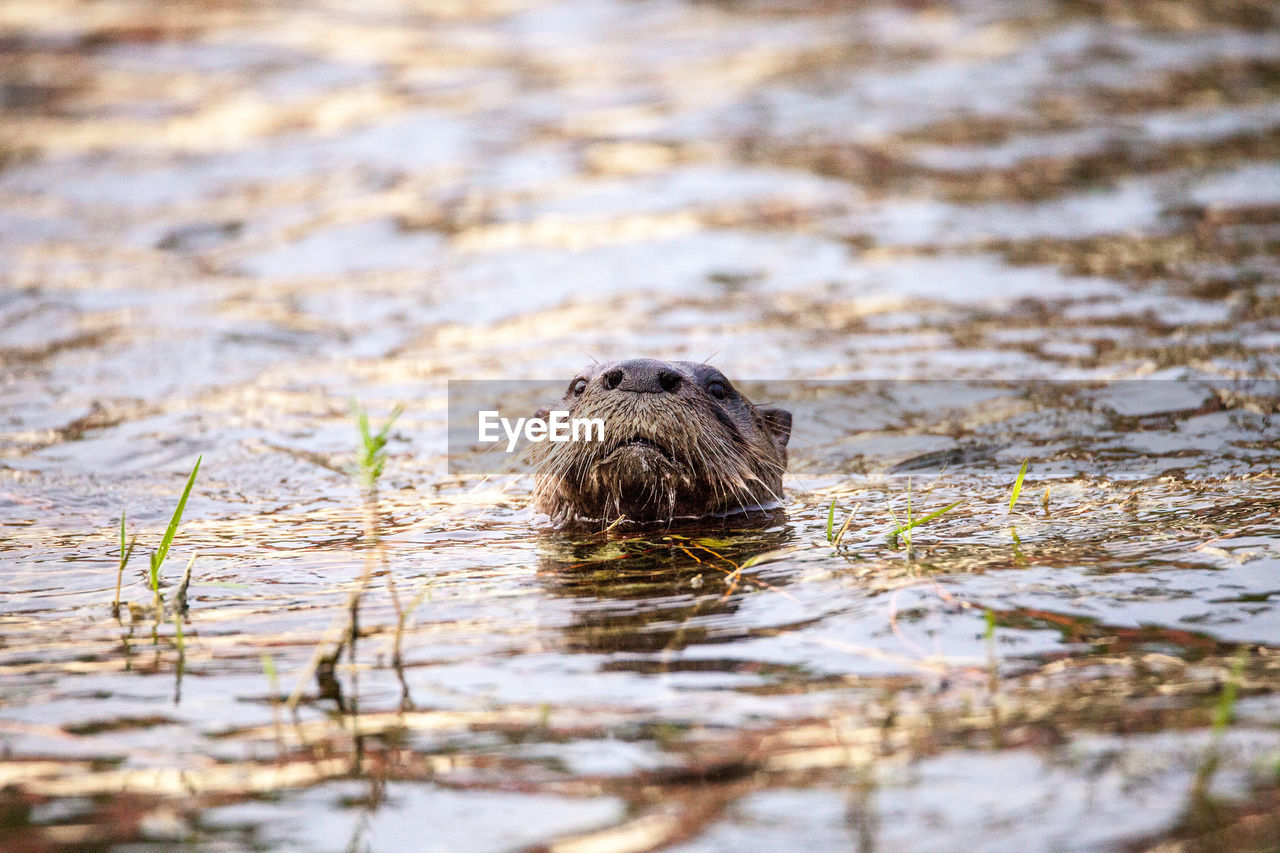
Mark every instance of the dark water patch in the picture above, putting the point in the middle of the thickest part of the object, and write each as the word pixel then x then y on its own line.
pixel 1235 81
pixel 118 724
pixel 1204 255
pixel 1255 15
pixel 887 169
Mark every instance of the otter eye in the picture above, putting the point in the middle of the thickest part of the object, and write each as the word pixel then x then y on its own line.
pixel 578 386
pixel 717 390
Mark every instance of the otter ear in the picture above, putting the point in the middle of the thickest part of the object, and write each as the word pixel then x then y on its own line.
pixel 778 422
pixel 542 414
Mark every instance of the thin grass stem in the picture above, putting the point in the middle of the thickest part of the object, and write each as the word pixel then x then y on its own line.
pixel 1017 484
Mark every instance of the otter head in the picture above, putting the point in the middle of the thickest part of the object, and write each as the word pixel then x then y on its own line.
pixel 679 442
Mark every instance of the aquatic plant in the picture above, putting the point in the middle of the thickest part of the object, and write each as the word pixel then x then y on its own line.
pixel 1017 485
pixel 158 558
pixel 162 552
pixel 343 631
pixel 993 676
pixel 1224 711
pixel 1204 815
pixel 904 530
pixel 125 554
pixel 840 533
pixel 371 457
pixel 834 536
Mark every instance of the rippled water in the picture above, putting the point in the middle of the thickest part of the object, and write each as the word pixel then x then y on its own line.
pixel 220 223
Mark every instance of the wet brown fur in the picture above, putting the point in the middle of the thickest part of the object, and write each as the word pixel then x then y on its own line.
pixel 666 454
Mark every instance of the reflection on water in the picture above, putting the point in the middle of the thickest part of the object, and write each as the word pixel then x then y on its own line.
pixel 642 597
pixel 218 223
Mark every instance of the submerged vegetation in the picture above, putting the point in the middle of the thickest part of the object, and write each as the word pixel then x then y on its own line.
pixel 344 630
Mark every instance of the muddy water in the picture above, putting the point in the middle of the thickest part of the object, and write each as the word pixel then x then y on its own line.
pixel 220 222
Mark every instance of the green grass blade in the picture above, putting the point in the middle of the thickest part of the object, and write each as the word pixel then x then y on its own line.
pixel 893 534
pixel 157 559
pixel 831 520
pixel 1226 706
pixel 362 419
pixel 372 456
pixel 1017 484
pixel 386 427
pixel 124 561
pixel 925 519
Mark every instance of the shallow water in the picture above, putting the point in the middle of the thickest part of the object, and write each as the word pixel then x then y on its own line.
pixel 218 224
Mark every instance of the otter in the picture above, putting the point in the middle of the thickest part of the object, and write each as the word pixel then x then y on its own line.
pixel 680 442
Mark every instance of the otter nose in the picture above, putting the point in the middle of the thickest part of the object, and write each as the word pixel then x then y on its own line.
pixel 643 375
